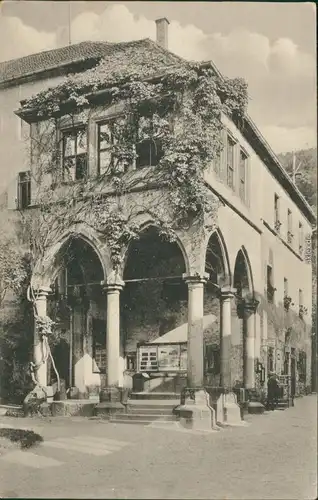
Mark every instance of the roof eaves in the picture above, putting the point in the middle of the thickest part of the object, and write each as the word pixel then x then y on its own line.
pixel 48 69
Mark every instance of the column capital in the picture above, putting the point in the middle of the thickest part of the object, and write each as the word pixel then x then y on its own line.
pixel 251 305
pixel 195 278
pixel 42 291
pixel 227 292
pixel 112 285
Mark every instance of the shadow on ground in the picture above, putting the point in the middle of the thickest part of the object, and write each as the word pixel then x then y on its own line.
pixel 26 439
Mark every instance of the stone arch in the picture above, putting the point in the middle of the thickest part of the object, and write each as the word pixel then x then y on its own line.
pixel 47 267
pixel 155 295
pixel 145 221
pixel 216 254
pixel 242 275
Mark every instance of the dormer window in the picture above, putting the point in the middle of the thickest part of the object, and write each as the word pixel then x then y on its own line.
pixel 148 146
pixel 75 154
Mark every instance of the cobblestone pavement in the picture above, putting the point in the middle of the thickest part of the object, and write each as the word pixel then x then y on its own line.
pixel 274 457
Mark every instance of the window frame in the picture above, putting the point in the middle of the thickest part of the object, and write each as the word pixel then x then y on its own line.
pixel 230 168
pixel 98 346
pixel 69 132
pixel 285 287
pixel 243 182
pixel 300 303
pixel 152 143
pixel 300 238
pixel 277 222
pixel 24 183
pixel 270 289
pixel 108 121
pixel 290 236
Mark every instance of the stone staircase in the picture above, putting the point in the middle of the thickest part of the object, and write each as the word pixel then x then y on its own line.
pixel 143 408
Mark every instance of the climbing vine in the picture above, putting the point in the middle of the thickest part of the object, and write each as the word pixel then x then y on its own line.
pixel 176 107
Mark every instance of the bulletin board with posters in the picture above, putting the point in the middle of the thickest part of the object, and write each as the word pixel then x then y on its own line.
pixel 170 357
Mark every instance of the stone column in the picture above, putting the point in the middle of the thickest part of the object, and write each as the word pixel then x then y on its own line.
pixel 111 395
pixel 39 349
pixel 249 342
pixel 226 296
pixel 113 333
pixel 195 411
pixel 195 366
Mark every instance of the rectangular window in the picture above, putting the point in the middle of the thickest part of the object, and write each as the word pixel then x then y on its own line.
pixel 277 222
pixel 290 235
pixel 217 165
pixel 105 143
pixel 212 359
pixel 270 359
pixel 301 366
pixel 286 363
pixel 148 147
pixel 242 173
pixel 300 303
pixel 230 161
pixel 300 238
pixel 99 346
pixel 24 189
pixel 270 286
pixel 285 287
pixel 75 154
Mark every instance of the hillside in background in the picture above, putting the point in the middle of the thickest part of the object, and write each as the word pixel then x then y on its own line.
pixel 306 178
pixel 306 181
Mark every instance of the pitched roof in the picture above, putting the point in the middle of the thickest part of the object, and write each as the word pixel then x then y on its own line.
pixel 41 62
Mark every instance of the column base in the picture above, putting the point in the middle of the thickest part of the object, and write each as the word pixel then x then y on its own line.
pixel 195 412
pixel 228 412
pixel 33 401
pixel 110 402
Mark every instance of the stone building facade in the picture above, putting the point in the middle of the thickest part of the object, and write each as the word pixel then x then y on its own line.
pixel 240 272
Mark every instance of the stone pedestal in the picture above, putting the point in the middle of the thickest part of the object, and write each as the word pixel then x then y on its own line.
pixel 195 412
pixel 110 402
pixel 228 411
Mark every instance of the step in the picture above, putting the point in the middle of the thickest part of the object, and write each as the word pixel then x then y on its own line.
pixel 141 416
pixel 155 396
pixel 145 410
pixel 129 422
pixel 154 403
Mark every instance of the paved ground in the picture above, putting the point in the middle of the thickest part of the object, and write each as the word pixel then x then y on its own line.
pixel 274 457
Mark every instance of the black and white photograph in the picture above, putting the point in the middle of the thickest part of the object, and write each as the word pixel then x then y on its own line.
pixel 158 250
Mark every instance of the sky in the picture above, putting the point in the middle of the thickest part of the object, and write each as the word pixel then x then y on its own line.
pixel 271 45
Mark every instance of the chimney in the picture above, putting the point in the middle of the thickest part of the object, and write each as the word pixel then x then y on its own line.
pixel 162 32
